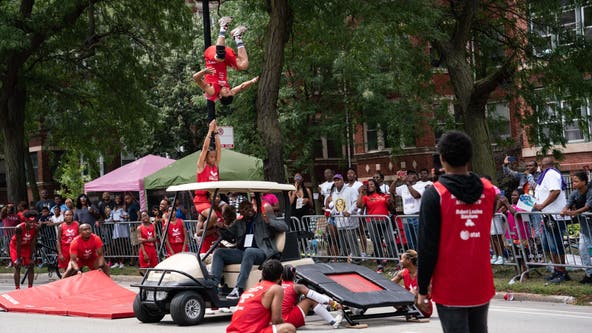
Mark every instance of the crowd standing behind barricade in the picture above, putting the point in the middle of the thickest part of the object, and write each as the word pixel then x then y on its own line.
pixel 518 237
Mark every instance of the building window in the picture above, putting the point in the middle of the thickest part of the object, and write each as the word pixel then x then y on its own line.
pixel 573 21
pixel 374 137
pixel 575 129
pixel 498 116
pixel 328 148
pixel 587 21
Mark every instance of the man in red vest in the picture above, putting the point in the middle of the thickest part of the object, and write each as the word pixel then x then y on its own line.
pixel 455 219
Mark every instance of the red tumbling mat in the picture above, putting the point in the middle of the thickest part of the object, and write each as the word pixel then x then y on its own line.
pixel 92 294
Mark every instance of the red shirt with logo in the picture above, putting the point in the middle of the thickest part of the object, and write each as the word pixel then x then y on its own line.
pixel 147 231
pixel 86 249
pixel 465 230
pixel 219 78
pixel 68 233
pixel 208 174
pixel 250 315
pixel 27 236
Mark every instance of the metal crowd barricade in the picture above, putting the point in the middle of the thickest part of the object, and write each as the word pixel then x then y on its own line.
pixel 356 237
pixel 548 239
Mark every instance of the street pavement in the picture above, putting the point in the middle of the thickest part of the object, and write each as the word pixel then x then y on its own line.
pixel 504 316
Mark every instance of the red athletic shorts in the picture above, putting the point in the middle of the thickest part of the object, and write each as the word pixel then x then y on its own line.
pixel 200 207
pixel 268 329
pixel 25 255
pixel 295 317
pixel 66 253
pixel 152 257
pixel 91 263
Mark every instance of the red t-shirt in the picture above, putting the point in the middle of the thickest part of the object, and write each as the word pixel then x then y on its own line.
pixel 27 235
pixel 409 284
pixel 176 232
pixel 219 78
pixel 208 174
pixel 147 231
pixel 86 249
pixel 465 231
pixel 250 315
pixel 290 297
pixel 68 233
pixel 376 204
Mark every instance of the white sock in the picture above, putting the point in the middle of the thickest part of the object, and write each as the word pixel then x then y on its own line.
pixel 239 42
pixel 321 310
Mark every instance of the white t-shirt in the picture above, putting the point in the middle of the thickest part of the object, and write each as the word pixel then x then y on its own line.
pixel 384 188
pixel 410 204
pixel 58 219
pixel 342 201
pixel 325 188
pixel 422 185
pixel 551 182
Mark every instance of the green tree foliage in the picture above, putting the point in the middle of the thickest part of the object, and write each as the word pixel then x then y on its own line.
pixel 81 69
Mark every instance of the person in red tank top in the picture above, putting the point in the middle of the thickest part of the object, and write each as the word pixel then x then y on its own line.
pixel 66 233
pixel 86 250
pixel 147 241
pixel 22 247
pixel 207 171
pixel 228 214
pixel 455 219
pixel 259 309
pixel 176 240
pixel 294 311
pixel 409 277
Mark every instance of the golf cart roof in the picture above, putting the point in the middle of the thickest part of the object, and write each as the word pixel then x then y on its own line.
pixel 234 186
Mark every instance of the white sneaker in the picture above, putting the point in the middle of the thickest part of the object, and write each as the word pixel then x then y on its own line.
pixel 225 310
pixel 238 31
pixel 337 321
pixel 121 265
pixel 209 312
pixel 225 21
pixel 115 265
pixel 493 259
pixel 499 261
pixel 234 294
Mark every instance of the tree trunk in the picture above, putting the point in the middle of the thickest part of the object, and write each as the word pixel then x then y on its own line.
pixel 472 103
pixel 13 132
pixel 268 124
pixel 31 177
pixel 476 127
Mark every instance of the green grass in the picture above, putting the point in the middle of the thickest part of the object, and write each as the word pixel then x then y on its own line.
pixel 536 284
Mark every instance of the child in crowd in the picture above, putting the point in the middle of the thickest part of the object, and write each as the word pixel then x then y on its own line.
pixel 517 233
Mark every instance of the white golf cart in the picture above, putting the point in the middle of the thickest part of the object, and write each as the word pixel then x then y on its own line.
pixel 181 285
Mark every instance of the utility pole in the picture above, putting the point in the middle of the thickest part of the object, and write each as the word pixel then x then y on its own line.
pixel 206 23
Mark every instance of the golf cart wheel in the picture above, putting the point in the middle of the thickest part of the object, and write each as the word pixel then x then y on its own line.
pixel 144 314
pixel 187 308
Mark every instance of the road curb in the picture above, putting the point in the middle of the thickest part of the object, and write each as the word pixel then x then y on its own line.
pixel 537 297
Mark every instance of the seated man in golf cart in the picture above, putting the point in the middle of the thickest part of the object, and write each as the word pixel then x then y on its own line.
pixel 254 235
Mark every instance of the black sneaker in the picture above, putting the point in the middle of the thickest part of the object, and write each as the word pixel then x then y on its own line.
pixel 586 279
pixel 552 276
pixel 561 277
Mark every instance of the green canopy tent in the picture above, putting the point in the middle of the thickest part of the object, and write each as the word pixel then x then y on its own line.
pixel 233 166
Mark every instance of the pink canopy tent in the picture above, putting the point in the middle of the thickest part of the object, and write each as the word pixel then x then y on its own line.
pixel 129 177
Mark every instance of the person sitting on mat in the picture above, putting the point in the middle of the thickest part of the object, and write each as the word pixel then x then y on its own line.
pixel 409 276
pixel 294 311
